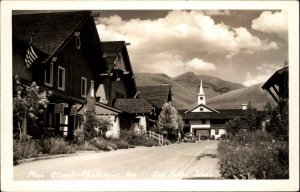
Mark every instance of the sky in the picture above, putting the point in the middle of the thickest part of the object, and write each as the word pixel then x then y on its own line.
pixel 242 46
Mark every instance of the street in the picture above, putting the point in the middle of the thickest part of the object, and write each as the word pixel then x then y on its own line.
pixel 175 161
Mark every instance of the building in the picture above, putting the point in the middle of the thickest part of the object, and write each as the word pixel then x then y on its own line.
pixel 140 110
pixel 206 122
pixel 66 58
pixel 278 86
pixel 116 95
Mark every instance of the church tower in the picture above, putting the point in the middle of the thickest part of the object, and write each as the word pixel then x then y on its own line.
pixel 201 95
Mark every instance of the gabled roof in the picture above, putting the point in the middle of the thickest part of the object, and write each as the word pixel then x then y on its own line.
pixel 202 105
pixel 223 114
pixel 112 50
pixel 157 95
pixel 51 30
pixel 133 105
pixel 278 77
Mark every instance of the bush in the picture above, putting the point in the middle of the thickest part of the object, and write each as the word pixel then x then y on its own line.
pixel 149 142
pixel 86 146
pixel 121 144
pixel 101 144
pixel 167 142
pixel 23 150
pixel 135 139
pixel 54 146
pixel 253 155
pixel 79 136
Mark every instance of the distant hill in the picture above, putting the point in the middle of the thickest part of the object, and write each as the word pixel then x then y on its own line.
pixel 186 86
pixel 233 99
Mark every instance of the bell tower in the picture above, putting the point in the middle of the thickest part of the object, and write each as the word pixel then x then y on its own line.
pixel 201 95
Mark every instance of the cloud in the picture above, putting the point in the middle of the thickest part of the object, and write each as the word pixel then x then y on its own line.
pixel 276 22
pixel 199 64
pixel 264 72
pixel 171 64
pixel 181 37
pixel 217 12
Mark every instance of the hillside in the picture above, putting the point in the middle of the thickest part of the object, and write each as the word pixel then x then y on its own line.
pixel 233 99
pixel 186 86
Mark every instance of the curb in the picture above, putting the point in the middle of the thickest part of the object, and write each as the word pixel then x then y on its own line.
pixel 45 157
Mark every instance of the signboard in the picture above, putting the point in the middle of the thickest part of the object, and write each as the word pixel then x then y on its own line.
pixel 58 108
pixel 73 110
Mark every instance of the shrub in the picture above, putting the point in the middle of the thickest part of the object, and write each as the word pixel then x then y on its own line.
pixel 54 146
pixel 79 136
pixel 253 155
pixel 23 150
pixel 167 142
pixel 149 142
pixel 93 124
pixel 101 144
pixel 135 139
pixel 86 146
pixel 121 144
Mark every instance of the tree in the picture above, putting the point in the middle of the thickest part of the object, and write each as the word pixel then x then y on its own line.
pixel 234 126
pixel 28 103
pixel 94 124
pixel 278 124
pixel 169 119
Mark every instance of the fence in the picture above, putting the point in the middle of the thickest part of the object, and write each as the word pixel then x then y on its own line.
pixel 156 136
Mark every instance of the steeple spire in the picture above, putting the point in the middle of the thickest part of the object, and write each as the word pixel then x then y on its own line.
pixel 201 89
pixel 201 95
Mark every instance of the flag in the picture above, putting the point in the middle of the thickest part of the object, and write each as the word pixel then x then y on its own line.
pixel 30 55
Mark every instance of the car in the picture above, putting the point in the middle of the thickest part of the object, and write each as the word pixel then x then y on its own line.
pixel 189 137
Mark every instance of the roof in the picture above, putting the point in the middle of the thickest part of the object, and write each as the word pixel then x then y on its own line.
pixel 133 105
pixel 51 30
pixel 202 105
pixel 104 109
pixel 278 77
pixel 223 114
pixel 112 50
pixel 157 95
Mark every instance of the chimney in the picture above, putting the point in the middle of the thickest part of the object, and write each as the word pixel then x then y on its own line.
pixel 244 106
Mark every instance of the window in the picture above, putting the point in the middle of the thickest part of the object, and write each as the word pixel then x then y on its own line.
pixel 48 80
pixel 83 86
pixel 92 89
pixel 203 121
pixel 201 109
pixel 61 78
pixel 186 121
pixel 217 132
pixel 201 98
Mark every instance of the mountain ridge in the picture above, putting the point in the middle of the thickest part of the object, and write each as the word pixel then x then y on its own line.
pixel 186 86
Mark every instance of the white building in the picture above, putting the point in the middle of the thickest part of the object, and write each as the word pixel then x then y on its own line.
pixel 206 122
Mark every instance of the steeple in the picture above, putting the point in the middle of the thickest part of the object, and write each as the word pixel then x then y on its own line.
pixel 201 95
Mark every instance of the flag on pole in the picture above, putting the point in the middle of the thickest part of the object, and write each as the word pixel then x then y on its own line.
pixel 30 55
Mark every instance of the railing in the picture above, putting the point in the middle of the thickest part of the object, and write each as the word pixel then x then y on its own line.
pixel 156 136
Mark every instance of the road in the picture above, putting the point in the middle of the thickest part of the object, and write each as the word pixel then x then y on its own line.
pixel 175 161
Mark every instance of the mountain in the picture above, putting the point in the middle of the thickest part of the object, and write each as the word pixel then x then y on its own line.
pixel 186 86
pixel 233 99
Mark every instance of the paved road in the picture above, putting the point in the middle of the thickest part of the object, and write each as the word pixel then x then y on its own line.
pixel 176 161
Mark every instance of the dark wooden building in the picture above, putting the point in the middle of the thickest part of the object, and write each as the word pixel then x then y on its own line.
pixel 69 61
pixel 278 86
